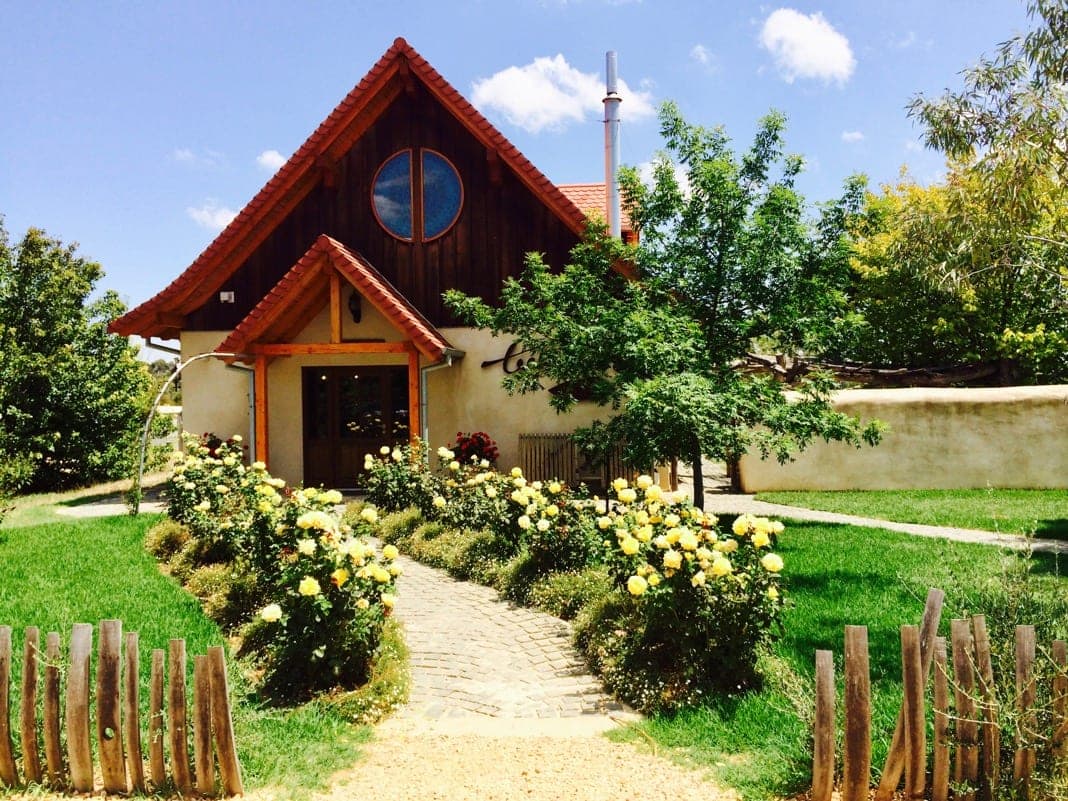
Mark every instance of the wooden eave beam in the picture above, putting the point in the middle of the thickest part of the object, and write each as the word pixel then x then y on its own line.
pixel 325 348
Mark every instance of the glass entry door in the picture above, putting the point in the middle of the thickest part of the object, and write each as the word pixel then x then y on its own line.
pixel 350 411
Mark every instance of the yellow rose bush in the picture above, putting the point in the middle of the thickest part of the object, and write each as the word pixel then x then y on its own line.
pixel 694 604
pixel 307 592
pixel 322 623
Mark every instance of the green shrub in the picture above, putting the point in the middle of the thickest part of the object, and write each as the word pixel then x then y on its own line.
pixel 166 538
pixel 398 478
pixel 386 688
pixel 436 545
pixel 565 594
pixel 479 558
pixel 398 527
pixel 517 577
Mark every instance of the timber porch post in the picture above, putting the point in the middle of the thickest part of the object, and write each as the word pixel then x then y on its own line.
pixel 260 392
pixel 414 423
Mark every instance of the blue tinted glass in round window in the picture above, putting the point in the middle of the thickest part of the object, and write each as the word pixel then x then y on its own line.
pixel 393 195
pixel 442 195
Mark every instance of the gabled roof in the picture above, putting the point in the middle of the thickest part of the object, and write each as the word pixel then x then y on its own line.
pixel 303 290
pixel 592 201
pixel 161 314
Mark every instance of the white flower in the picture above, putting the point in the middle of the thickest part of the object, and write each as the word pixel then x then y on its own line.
pixel 272 613
pixel 444 453
pixel 523 522
pixel 306 546
pixel 543 524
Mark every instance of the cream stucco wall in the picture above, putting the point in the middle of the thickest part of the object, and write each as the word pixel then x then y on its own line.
pixel 463 397
pixel 938 439
pixel 215 398
pixel 468 397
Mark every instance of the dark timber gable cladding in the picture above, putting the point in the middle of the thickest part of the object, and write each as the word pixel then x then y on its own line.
pixel 501 221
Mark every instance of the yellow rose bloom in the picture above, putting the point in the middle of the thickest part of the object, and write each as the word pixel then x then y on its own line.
pixel 516 472
pixel 388 600
pixel 309 586
pixel 654 493
pixel 654 579
pixel 688 541
pixel 741 524
pixel 552 510
pixel 627 495
pixel 369 513
pixel 662 542
pixel 380 575
pixel 644 533
pixel 439 502
pixel 339 577
pixel 721 566
pixel 554 487
pixel 523 522
pixel 491 491
pixel 698 579
pixel 630 546
pixel 619 484
pixel 306 547
pixel 390 552
pixel 773 593
pixel 761 539
pixel 673 535
pixel 772 562
pixel 362 603
pixel 384 450
pixel 636 585
pixel 672 559
pixel 671 520
pixel 272 613
pixel 604 522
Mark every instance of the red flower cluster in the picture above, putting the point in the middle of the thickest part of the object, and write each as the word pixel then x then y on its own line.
pixel 475 446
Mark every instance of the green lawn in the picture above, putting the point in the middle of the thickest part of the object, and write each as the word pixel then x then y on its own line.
pixel 834 575
pixel 1043 512
pixel 57 574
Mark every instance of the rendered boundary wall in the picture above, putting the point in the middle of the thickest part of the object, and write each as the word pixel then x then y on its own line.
pixel 1014 437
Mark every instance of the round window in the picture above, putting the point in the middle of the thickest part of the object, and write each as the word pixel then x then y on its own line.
pixel 429 199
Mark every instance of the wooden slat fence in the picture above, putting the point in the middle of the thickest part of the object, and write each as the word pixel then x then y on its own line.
pixel 118 717
pixel 963 761
pixel 547 456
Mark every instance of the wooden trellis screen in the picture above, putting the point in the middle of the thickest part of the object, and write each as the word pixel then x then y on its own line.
pixel 118 720
pixel 972 728
pixel 547 456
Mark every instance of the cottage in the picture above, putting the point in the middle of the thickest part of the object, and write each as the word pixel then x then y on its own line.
pixel 323 298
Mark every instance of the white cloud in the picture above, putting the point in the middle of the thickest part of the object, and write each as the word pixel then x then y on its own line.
pixel 912 146
pixel 211 215
pixel 852 136
pixel 700 54
pixel 270 160
pixel 205 158
pixel 646 174
pixel 807 46
pixel 906 41
pixel 550 94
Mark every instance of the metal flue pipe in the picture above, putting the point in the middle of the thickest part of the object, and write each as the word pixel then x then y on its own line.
pixel 611 143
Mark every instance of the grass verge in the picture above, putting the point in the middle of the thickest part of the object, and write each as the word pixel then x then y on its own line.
pixel 1041 512
pixel 55 575
pixel 758 743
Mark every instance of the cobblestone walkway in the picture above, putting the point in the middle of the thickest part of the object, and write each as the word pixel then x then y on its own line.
pixel 476 656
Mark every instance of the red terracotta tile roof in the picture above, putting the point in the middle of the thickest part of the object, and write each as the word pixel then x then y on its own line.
pixel 591 200
pixel 300 174
pixel 280 309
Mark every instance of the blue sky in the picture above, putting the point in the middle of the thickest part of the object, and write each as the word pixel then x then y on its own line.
pixel 137 129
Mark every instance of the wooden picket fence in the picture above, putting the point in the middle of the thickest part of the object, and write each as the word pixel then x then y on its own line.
pixel 118 719
pixel 971 729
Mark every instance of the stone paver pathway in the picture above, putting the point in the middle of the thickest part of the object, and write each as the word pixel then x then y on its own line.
pixel 476 657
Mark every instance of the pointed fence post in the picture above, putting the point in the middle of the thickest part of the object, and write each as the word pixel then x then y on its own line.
pixel 57 772
pixel 108 709
pixel 176 714
pixel 9 776
pixel 856 770
pixel 157 766
pixel 912 679
pixel 940 768
pixel 135 764
pixel 222 723
pixel 895 757
pixel 202 755
pixel 988 693
pixel 1060 701
pixel 966 765
pixel 1024 759
pixel 823 729
pixel 31 754
pixel 78 747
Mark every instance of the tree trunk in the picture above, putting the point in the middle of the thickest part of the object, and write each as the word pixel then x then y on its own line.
pixel 734 473
pixel 698 476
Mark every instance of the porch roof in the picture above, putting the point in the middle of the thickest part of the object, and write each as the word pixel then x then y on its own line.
pixel 302 292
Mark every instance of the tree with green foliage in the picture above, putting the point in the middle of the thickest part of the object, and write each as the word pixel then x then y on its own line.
pixel 72 396
pixel 655 333
pixel 973 272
